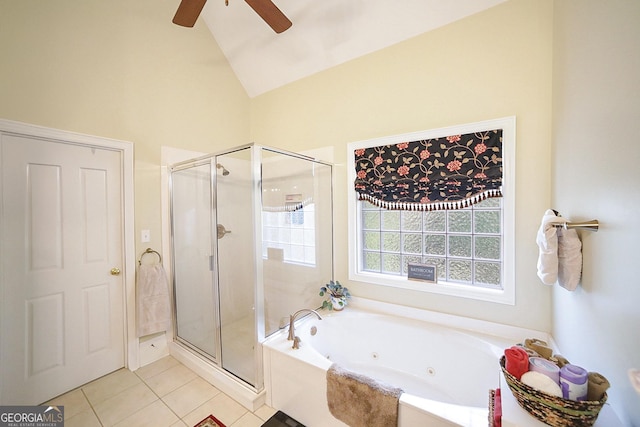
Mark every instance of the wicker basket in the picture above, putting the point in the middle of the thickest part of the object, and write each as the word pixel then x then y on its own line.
pixel 551 410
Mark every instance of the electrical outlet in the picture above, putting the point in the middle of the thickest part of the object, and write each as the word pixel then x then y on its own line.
pixel 145 236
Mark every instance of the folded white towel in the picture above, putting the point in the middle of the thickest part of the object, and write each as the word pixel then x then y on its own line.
pixel 154 308
pixel 547 240
pixel 569 259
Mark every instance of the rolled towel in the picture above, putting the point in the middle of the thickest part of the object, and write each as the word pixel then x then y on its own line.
pixel 544 366
pixel 516 361
pixel 598 384
pixel 574 382
pixel 569 259
pixel 542 382
pixel 560 360
pixel 539 346
pixel 547 239
pixel 530 352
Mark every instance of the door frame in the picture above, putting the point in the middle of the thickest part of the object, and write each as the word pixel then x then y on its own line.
pixel 131 342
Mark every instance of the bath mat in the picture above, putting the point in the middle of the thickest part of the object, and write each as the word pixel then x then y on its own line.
pixel 210 421
pixel 361 401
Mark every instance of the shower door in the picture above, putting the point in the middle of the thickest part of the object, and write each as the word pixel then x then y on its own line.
pixel 196 316
pixel 236 266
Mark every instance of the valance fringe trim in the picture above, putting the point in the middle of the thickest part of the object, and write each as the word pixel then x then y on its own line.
pixel 434 206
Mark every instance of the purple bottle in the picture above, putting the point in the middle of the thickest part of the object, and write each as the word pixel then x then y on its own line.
pixel 574 382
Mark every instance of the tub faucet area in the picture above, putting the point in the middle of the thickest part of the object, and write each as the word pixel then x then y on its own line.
pixel 292 319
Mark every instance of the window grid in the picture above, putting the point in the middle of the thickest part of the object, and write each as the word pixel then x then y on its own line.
pixel 292 232
pixel 389 237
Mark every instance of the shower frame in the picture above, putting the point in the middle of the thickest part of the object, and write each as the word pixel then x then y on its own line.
pixel 256 164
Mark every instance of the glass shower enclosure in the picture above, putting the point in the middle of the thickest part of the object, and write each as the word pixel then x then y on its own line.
pixel 252 243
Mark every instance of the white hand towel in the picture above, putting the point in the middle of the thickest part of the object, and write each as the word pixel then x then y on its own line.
pixel 154 308
pixel 547 240
pixel 569 259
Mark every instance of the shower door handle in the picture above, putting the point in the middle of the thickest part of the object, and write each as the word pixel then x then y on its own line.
pixel 222 231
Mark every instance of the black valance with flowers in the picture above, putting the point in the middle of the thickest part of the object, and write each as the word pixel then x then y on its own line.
pixel 451 172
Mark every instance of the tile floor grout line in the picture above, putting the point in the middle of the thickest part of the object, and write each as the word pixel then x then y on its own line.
pixel 159 398
pixel 91 406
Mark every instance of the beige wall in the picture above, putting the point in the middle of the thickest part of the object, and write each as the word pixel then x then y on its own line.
pixel 491 65
pixel 120 69
pixel 596 175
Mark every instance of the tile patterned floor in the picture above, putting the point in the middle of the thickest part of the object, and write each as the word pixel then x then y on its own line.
pixel 162 394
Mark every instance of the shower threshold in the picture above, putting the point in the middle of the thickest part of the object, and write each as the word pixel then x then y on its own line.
pixel 219 378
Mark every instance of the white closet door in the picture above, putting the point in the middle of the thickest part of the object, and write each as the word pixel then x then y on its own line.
pixel 62 320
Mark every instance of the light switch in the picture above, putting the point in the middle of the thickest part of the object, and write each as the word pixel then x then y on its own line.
pixel 145 236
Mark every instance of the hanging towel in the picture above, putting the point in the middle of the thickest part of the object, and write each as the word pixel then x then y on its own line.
pixel 154 309
pixel 547 240
pixel 361 401
pixel 569 259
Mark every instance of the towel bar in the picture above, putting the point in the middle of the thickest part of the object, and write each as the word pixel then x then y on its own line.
pixel 149 251
pixel 592 225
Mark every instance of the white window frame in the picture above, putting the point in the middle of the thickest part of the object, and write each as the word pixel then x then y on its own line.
pixel 506 295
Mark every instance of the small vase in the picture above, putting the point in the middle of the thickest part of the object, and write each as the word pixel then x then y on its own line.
pixel 338 303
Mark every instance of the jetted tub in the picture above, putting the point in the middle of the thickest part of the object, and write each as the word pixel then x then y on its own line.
pixel 445 364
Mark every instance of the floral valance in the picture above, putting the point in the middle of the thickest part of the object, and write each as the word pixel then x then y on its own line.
pixel 451 172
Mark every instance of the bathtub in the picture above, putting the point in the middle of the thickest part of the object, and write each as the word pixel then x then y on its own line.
pixel 445 364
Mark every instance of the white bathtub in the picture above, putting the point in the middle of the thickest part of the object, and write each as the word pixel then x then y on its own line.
pixel 445 364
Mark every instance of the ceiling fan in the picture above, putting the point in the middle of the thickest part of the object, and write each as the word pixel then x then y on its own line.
pixel 189 10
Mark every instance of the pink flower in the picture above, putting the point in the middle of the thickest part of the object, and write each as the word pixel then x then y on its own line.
pixel 359 152
pixel 378 160
pixel 403 170
pixel 424 179
pixel 362 174
pixel 480 175
pixel 425 199
pixel 454 165
pixel 480 148
pixel 424 154
pixel 453 138
pixel 377 182
pixel 402 145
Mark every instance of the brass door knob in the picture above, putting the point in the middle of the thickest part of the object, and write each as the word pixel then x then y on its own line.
pixel 115 271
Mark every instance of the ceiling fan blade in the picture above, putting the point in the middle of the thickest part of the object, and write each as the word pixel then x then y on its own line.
pixel 271 14
pixel 188 12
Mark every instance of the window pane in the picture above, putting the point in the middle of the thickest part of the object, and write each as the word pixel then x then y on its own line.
pixel 492 202
pixel 391 263
pixel 372 240
pixel 391 220
pixel 411 221
pixel 372 261
pixel 412 243
pixel 410 259
pixel 434 221
pixel 460 271
pixel 371 220
pixel 434 244
pixel 488 247
pixel 460 246
pixel 487 221
pixel 441 266
pixel 459 222
pixel 391 242
pixel 488 273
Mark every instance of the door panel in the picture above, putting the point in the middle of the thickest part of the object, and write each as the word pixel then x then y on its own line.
pixel 62 311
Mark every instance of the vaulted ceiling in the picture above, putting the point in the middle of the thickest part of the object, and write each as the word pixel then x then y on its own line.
pixel 325 33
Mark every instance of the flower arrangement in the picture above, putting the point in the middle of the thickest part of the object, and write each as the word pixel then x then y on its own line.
pixel 337 295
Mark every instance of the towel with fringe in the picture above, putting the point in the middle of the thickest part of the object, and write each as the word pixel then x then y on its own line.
pixel 361 401
pixel 152 293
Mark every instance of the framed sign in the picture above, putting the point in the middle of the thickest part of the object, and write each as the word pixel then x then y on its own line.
pixel 422 272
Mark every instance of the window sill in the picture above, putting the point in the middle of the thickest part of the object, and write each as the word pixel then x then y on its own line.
pixel 503 296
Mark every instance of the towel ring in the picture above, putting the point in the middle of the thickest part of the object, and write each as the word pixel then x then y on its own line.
pixel 149 251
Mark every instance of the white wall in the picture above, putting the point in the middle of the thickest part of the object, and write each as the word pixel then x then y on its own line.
pixel 596 174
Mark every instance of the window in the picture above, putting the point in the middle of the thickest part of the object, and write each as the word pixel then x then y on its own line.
pixel 471 246
pixel 291 234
